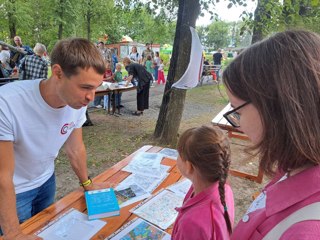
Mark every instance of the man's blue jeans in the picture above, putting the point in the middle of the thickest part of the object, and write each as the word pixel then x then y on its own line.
pixel 34 201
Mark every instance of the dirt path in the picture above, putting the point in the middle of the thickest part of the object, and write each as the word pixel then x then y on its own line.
pixel 114 137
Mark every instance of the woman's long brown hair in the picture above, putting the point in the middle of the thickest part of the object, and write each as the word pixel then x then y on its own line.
pixel 280 76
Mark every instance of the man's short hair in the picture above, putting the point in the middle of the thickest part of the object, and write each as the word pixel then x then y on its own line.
pixel 39 49
pixel 74 53
pixel 147 44
pixel 16 38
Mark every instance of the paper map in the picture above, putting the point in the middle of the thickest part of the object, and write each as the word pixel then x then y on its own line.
pixel 170 153
pixel 159 209
pixel 127 195
pixel 139 229
pixel 147 183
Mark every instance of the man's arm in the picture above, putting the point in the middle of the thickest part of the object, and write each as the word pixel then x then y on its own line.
pixel 8 213
pixel 77 154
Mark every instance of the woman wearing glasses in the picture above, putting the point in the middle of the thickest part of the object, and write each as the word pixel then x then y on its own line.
pixel 274 88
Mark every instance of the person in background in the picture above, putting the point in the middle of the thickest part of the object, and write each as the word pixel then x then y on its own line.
pixel 114 59
pixel 273 87
pixel 137 73
pixel 156 64
pixel 107 77
pixel 147 52
pixel 149 67
pixel 207 211
pixel 16 56
pixel 5 60
pixel 34 66
pixel 117 76
pixel 161 77
pixel 217 58
pixel 134 55
pixel 37 118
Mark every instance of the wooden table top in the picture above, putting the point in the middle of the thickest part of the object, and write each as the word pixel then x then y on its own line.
pixel 116 90
pixel 112 176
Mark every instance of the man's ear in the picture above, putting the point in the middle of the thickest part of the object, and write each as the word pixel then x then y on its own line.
pixel 57 71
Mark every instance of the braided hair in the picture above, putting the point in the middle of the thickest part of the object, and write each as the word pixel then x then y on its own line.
pixel 207 148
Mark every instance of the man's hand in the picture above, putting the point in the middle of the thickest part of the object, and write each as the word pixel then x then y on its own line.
pixel 21 236
pixel 96 186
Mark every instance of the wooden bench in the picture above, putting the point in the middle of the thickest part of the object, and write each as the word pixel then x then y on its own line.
pixel 222 123
pixel 112 176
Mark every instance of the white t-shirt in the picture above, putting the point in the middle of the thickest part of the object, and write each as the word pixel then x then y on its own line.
pixel 135 57
pixel 4 58
pixel 37 131
pixel 157 61
pixel 161 67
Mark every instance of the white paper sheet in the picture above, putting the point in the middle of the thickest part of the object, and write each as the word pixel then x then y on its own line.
pixel 180 188
pixel 149 172
pixel 72 225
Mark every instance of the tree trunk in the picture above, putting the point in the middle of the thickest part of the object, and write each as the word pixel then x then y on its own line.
pixel 173 99
pixel 257 30
pixel 12 20
pixel 88 27
pixel 60 13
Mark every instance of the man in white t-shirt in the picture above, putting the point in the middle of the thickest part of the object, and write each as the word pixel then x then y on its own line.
pixel 37 118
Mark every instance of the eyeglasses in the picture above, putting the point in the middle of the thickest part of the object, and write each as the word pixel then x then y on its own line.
pixel 233 116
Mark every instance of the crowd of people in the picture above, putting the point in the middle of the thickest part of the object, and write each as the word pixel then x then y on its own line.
pixel 273 87
pixel 23 61
pixel 33 64
pixel 143 70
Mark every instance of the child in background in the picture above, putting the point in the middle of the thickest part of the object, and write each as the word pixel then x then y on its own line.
pixel 156 64
pixel 107 77
pixel 161 73
pixel 149 66
pixel 117 76
pixel 207 212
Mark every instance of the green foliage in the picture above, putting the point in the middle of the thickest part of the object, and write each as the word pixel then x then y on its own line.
pixel 46 21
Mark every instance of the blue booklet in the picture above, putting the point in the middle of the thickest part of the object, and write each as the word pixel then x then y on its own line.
pixel 101 203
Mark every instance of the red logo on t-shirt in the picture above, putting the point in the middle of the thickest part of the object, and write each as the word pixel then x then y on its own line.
pixel 66 127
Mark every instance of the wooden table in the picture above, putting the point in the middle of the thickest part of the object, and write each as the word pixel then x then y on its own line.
pixel 111 95
pixel 233 132
pixel 4 81
pixel 112 176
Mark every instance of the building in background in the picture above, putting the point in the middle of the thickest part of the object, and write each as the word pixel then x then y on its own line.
pixel 123 48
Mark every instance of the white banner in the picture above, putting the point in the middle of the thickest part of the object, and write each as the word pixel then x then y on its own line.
pixel 192 75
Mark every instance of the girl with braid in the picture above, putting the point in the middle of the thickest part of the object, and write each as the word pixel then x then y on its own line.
pixel 208 210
